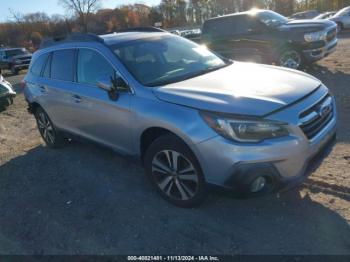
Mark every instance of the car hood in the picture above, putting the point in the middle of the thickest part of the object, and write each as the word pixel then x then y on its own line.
pixel 241 88
pixel 308 24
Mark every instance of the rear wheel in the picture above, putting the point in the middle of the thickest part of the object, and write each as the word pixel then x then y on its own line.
pixel 290 58
pixel 51 136
pixel 174 172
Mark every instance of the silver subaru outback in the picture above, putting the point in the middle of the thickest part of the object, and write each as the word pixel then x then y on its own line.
pixel 194 118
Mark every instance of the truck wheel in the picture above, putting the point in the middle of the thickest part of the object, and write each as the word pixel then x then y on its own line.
pixel 290 58
pixel 14 70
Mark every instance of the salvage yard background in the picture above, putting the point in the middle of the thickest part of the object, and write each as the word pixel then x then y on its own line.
pixel 84 199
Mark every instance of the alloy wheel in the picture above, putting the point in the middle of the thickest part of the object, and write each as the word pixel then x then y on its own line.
pixel 175 175
pixel 46 128
pixel 290 59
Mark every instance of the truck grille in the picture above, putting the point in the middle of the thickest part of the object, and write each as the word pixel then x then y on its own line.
pixel 314 119
pixel 331 34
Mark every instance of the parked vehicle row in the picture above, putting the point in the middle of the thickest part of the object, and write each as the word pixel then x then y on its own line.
pixel 266 36
pixel 194 118
pixel 341 17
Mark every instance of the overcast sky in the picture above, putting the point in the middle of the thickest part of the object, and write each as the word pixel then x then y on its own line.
pixel 52 7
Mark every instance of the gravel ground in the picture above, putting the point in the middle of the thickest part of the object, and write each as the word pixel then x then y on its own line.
pixel 84 199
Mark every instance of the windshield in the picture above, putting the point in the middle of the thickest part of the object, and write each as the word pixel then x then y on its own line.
pixel 15 52
pixel 271 18
pixel 166 59
pixel 343 11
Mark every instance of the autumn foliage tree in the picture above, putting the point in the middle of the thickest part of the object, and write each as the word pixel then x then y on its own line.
pixel 85 16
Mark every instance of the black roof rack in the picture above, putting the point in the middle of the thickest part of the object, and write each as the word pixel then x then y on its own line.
pixel 74 37
pixel 141 29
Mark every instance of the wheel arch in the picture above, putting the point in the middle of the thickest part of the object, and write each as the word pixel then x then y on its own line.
pixel 150 134
pixel 33 107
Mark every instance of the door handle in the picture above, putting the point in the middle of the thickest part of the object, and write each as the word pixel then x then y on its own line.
pixel 42 89
pixel 77 98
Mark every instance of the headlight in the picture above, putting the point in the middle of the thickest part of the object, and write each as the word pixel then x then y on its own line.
pixel 244 130
pixel 315 36
pixel 17 61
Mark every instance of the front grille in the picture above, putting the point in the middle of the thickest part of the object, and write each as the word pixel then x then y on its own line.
pixel 331 34
pixel 314 119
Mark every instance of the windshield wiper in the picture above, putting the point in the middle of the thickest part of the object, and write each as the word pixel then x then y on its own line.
pixel 188 76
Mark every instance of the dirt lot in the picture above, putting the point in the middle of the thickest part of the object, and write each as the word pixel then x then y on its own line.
pixel 84 199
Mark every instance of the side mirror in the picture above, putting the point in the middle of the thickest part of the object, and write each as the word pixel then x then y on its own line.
pixel 113 85
pixel 105 83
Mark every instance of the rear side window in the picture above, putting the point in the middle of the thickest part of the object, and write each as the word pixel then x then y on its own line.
pixel 62 65
pixel 47 69
pixel 91 66
pixel 38 64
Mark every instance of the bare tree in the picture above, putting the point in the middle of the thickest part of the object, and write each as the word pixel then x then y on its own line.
pixel 82 8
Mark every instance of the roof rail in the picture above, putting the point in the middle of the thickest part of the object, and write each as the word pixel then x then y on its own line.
pixel 74 37
pixel 141 29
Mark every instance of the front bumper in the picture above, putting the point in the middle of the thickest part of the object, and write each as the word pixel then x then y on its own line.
pixel 316 54
pixel 286 160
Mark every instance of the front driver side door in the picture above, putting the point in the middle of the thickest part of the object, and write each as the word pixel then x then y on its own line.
pixel 96 116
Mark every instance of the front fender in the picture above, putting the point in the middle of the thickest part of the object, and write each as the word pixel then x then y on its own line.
pixel 183 121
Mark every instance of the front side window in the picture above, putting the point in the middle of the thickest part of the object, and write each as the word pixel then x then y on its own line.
pixel 62 65
pixel 91 66
pixel 271 18
pixel 39 64
pixel 166 59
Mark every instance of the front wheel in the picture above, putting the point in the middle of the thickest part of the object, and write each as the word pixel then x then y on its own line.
pixel 290 58
pixel 51 136
pixel 175 172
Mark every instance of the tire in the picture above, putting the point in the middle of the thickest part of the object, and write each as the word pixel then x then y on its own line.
pixel 51 136
pixel 14 70
pixel 180 182
pixel 290 58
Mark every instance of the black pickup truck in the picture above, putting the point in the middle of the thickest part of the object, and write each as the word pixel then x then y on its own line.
pixel 14 59
pixel 268 37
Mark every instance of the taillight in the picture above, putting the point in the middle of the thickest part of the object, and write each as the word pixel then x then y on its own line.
pixel 22 84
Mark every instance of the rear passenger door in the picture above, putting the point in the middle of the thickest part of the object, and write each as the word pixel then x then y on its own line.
pixel 58 85
pixel 92 113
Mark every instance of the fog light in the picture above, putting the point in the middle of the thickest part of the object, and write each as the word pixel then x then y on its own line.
pixel 258 184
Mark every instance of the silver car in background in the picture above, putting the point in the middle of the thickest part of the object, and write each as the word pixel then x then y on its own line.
pixel 342 18
pixel 194 118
